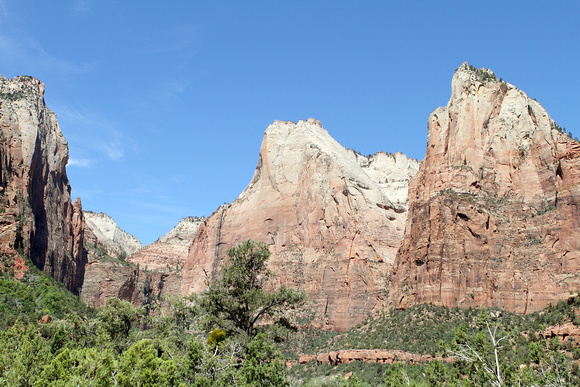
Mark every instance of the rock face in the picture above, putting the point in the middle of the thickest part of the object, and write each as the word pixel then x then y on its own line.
pixel 333 219
pixel 37 214
pixel 169 253
pixel 144 277
pixel 116 241
pixel 494 210
pixel 369 355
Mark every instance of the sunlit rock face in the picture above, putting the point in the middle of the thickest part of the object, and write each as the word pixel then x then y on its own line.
pixel 333 219
pixel 36 211
pixel 114 240
pixel 168 253
pixel 493 216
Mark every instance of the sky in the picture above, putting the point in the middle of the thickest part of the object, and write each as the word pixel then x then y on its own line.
pixel 164 104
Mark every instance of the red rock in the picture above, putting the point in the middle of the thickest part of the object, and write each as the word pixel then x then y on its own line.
pixel 494 216
pixel 37 215
pixel 45 319
pixel 306 359
pixel 333 229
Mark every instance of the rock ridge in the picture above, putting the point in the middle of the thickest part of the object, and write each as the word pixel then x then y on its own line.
pixel 37 216
pixel 493 215
pixel 114 240
pixel 333 229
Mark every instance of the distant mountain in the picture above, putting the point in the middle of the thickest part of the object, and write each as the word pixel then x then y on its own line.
pixel 170 251
pixel 108 235
pixel 334 221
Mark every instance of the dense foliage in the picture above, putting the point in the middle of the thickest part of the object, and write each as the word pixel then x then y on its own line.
pixel 120 344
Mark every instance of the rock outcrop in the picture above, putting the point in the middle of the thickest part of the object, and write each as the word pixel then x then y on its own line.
pixel 370 356
pixel 332 218
pixel 105 230
pixel 494 210
pixel 143 278
pixel 169 252
pixel 37 214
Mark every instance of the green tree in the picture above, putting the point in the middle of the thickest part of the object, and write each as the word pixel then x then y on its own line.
pixel 263 365
pixel 237 301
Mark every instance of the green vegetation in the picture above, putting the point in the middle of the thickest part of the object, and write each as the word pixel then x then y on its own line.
pixel 120 344
pixel 563 131
pixel 33 296
pixel 237 302
pixel 483 75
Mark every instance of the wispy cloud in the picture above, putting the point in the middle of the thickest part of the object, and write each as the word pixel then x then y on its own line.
pixel 81 6
pixel 93 135
pixel 20 50
pixel 74 162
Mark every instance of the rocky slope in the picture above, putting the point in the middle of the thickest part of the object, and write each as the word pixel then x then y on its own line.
pixel 333 219
pixel 169 253
pixel 494 216
pixel 105 230
pixel 36 211
pixel 144 277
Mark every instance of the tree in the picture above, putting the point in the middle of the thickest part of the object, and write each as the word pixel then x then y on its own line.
pixel 237 301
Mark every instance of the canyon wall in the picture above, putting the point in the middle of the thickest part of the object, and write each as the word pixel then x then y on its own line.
pixel 494 209
pixel 333 219
pixel 37 215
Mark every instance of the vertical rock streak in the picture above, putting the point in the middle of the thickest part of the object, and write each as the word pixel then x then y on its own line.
pixel 493 216
pixel 38 215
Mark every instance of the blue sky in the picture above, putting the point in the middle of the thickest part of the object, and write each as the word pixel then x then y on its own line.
pixel 164 104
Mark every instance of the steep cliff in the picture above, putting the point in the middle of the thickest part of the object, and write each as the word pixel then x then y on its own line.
pixel 36 212
pixel 494 216
pixel 332 218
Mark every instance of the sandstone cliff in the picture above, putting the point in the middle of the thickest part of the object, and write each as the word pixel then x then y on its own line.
pixel 115 241
pixel 36 212
pixel 333 219
pixel 494 216
pixel 169 253
pixel 143 278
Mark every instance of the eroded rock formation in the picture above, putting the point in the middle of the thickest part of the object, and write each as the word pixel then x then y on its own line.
pixel 143 278
pixel 494 210
pixel 105 230
pixel 333 219
pixel 169 253
pixel 37 214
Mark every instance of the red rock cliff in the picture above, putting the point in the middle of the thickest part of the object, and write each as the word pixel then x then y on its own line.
pixel 332 228
pixel 494 210
pixel 37 214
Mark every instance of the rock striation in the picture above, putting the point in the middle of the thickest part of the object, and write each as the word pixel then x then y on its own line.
pixel 334 221
pixel 494 209
pixel 105 230
pixel 169 252
pixel 37 215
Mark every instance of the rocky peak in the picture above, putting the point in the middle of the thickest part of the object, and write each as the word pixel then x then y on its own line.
pixel 115 241
pixel 37 213
pixel 331 226
pixel 493 216
pixel 169 252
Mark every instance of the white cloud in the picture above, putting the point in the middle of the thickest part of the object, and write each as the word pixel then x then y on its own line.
pixel 73 162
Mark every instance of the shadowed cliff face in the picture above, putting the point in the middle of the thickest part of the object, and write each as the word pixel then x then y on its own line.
pixel 493 217
pixel 37 213
pixel 332 228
